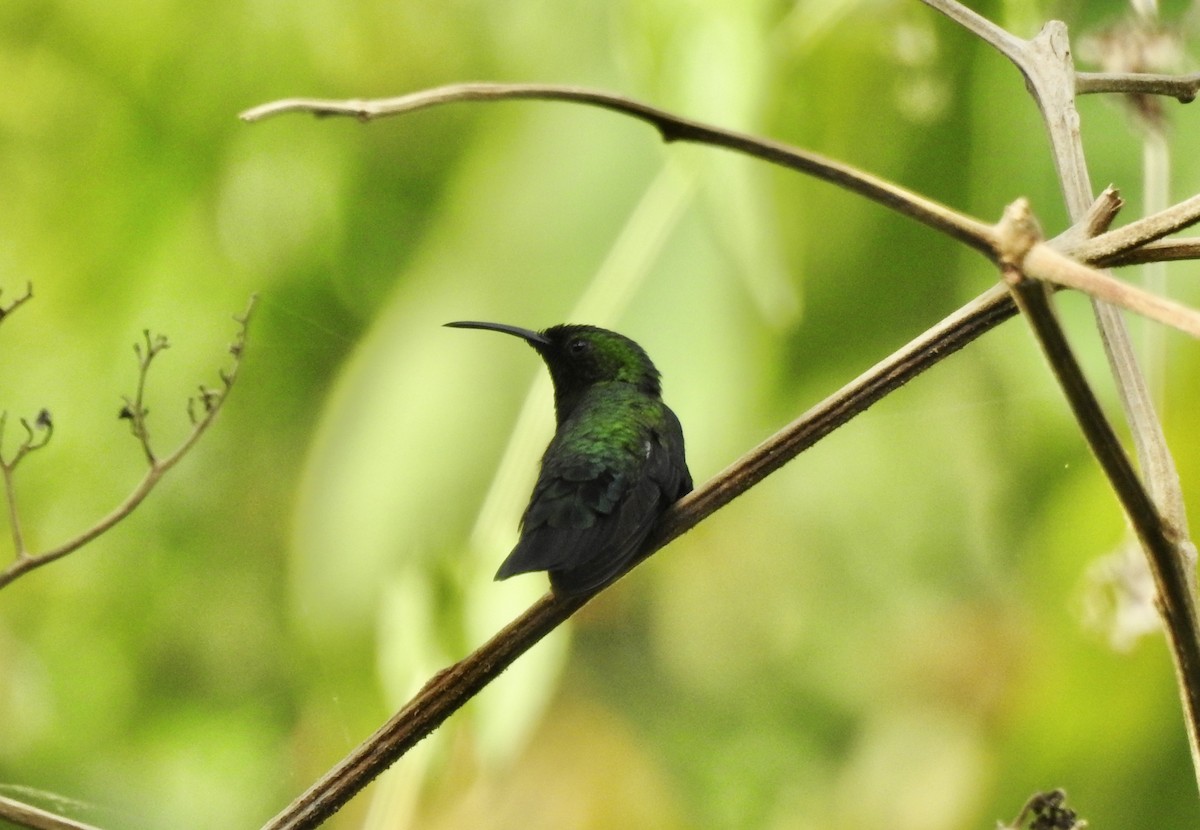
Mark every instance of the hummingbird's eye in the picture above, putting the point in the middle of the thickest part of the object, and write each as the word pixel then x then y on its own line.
pixel 577 346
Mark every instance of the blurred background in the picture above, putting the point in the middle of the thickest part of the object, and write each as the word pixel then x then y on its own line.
pixel 909 626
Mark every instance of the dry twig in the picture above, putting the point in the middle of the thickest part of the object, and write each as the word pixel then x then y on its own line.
pixel 1181 87
pixel 25 815
pixel 1161 540
pixel 6 310
pixel 1045 262
pixel 1049 71
pixel 134 410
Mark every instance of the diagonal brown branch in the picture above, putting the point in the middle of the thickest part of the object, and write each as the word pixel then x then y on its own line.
pixel 452 687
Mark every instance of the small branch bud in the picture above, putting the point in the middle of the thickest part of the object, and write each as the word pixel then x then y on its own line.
pixel 1046 811
pixel 1016 234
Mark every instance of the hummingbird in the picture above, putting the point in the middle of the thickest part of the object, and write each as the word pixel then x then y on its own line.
pixel 615 463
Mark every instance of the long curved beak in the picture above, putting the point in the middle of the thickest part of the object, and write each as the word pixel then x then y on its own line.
pixel 531 337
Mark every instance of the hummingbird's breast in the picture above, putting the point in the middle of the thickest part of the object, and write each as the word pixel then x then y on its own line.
pixel 613 419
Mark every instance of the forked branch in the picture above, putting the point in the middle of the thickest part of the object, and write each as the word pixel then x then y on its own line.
pixel 1047 64
pixel 1162 541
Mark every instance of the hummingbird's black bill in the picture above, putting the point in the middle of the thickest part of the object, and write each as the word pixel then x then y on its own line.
pixel 527 335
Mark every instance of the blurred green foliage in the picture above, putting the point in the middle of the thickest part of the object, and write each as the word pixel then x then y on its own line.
pixel 890 631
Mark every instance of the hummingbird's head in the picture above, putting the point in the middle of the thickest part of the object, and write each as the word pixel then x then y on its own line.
pixel 580 357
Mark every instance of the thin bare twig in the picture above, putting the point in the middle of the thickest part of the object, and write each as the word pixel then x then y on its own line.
pixel 135 410
pixel 1181 87
pixel 1166 250
pixel 6 310
pixel 37 435
pixel 1137 234
pixel 1000 39
pixel 1096 220
pixel 27 815
pixel 34 439
pixel 210 400
pixel 966 229
pixel 670 126
pixel 1047 264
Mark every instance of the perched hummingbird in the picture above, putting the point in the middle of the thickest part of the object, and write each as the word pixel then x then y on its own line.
pixel 614 465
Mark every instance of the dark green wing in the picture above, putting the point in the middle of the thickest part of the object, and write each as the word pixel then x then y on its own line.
pixel 590 514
